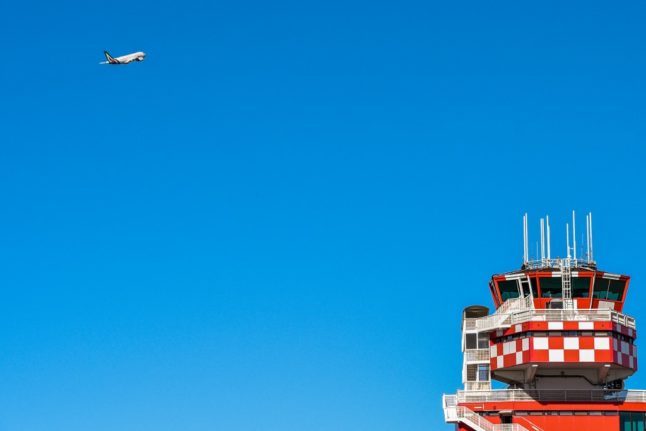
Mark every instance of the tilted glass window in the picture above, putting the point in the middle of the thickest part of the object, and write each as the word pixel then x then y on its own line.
pixel 534 281
pixel 580 287
pixel 616 290
pixel 600 288
pixel 494 292
pixel 551 287
pixel 508 289
pixel 524 288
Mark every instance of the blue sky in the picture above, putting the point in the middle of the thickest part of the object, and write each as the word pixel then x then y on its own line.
pixel 274 222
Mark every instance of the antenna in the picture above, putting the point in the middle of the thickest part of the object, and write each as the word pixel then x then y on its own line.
pixel 542 239
pixel 573 234
pixel 567 239
pixel 591 250
pixel 525 245
pixel 547 222
pixel 587 235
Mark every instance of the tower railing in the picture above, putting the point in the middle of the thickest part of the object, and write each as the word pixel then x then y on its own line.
pixel 580 315
pixel 456 413
pixel 497 321
pixel 556 263
pixel 499 318
pixel 477 355
pixel 551 395
pixel 477 386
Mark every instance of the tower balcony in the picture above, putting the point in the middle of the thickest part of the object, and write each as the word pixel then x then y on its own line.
pixel 596 351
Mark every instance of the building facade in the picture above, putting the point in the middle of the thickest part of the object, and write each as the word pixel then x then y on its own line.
pixel 561 344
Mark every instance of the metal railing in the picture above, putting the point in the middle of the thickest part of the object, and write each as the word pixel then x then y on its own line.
pixel 572 315
pixel 496 321
pixel 556 263
pixel 552 395
pixel 477 386
pixel 487 323
pixel 514 304
pixel 477 355
pixel 528 424
pixel 456 413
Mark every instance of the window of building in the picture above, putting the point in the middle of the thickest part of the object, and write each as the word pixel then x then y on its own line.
pixel 483 373
pixel 508 289
pixel 600 290
pixel 604 288
pixel 631 421
pixel 551 287
pixel 616 290
pixel 581 287
pixel 534 283
pixel 493 292
pixel 471 341
pixel 483 340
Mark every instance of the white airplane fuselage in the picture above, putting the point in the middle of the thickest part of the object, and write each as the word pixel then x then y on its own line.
pixel 124 59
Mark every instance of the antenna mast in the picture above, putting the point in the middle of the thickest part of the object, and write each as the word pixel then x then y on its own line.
pixel 587 236
pixel 591 250
pixel 542 240
pixel 573 235
pixel 525 240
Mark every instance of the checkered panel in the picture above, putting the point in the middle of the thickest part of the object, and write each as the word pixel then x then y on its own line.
pixel 629 332
pixel 562 350
pixel 510 353
pixel 625 354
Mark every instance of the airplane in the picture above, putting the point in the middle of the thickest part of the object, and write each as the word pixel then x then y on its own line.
pixel 124 59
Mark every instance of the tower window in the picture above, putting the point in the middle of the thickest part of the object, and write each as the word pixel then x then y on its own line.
pixel 471 341
pixel 631 421
pixel 508 289
pixel 483 340
pixel 551 287
pixel 483 373
pixel 601 288
pixel 580 287
pixel 616 290
pixel 605 288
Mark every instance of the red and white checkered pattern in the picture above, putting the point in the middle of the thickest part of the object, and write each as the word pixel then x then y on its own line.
pixel 510 353
pixel 629 332
pixel 562 350
pixel 624 353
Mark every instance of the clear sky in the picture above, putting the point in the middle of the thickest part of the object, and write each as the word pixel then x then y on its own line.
pixel 274 222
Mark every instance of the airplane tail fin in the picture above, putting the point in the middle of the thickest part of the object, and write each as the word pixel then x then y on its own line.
pixel 110 59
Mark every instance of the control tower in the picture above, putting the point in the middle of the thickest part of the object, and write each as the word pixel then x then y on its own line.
pixel 560 343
